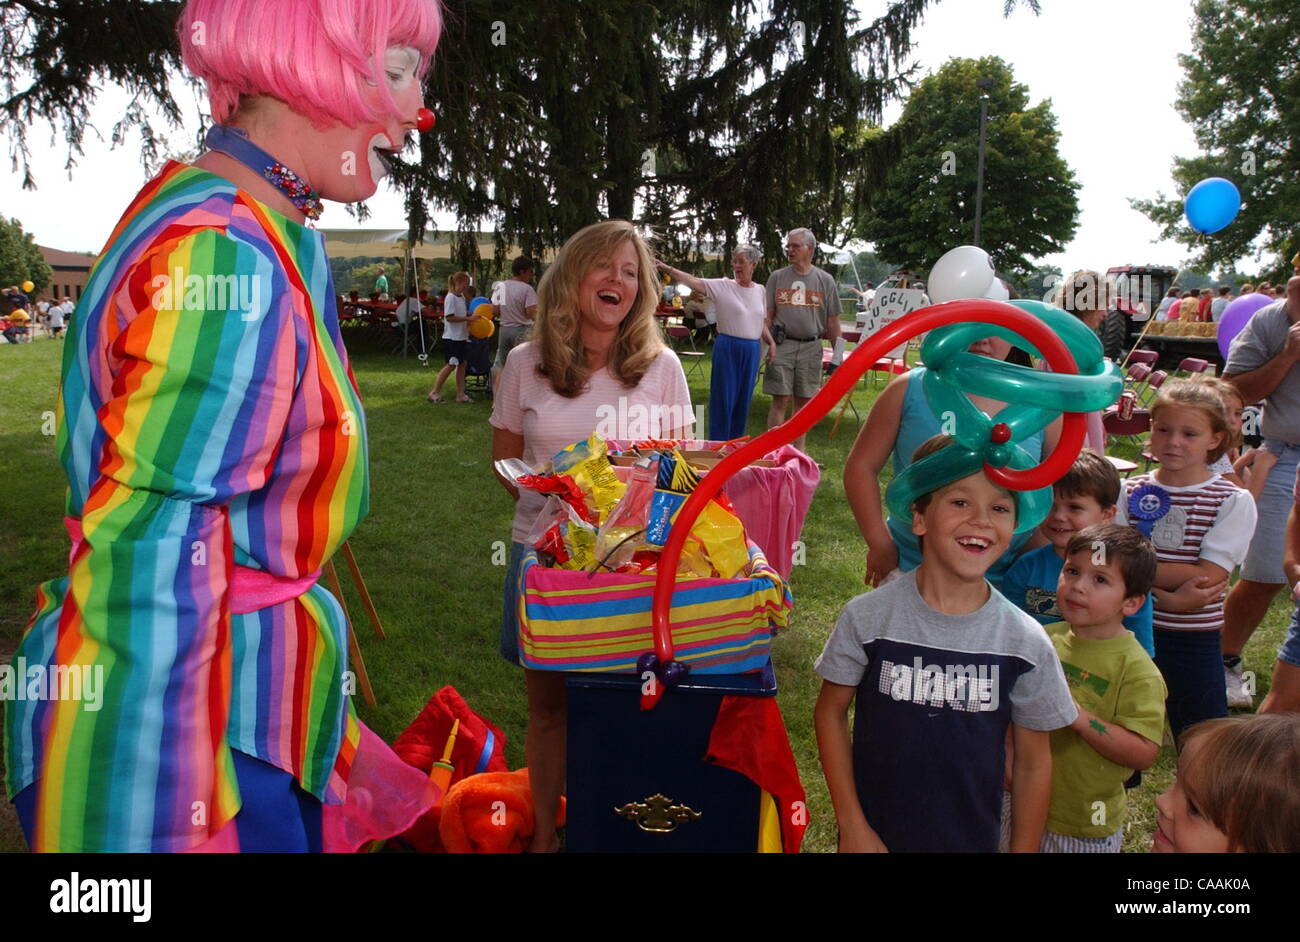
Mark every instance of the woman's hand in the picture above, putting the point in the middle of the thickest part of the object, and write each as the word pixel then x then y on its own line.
pixel 771 352
pixel 882 559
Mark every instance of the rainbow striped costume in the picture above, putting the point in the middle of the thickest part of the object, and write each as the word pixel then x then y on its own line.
pixel 215 450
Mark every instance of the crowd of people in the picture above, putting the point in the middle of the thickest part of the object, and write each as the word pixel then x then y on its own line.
pixel 1208 304
pixel 1080 639
pixel 193 576
pixel 20 316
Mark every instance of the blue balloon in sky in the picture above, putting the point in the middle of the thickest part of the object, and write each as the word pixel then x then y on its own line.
pixel 1212 204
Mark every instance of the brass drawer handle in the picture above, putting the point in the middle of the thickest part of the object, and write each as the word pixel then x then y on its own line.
pixel 657 814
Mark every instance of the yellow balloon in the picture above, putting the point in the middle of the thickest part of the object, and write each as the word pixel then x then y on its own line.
pixel 481 328
pixel 486 310
pixel 28 286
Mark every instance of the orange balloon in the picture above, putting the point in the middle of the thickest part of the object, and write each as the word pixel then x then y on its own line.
pixel 481 327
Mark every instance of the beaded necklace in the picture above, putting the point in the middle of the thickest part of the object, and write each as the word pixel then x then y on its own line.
pixel 235 143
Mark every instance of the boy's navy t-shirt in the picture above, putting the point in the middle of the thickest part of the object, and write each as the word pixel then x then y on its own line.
pixel 936 693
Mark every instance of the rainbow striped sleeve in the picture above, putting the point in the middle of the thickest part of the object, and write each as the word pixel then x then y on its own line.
pixel 200 394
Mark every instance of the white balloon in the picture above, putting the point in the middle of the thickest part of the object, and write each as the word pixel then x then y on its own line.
pixel 963 272
pixel 998 291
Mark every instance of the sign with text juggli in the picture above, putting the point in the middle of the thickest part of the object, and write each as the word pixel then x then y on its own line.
pixel 888 306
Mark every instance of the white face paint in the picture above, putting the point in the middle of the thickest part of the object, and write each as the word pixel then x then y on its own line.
pixel 378 169
pixel 401 65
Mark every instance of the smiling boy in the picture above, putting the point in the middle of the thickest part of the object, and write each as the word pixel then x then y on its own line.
pixel 1107 574
pixel 940 665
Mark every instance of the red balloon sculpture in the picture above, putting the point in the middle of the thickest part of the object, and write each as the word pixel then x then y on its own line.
pixel 997 313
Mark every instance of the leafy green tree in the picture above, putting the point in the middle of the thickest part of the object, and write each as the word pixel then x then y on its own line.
pixel 1041 282
pixel 1190 280
pixel 20 259
pixel 56 56
pixel 1241 96
pixel 700 119
pixel 872 268
pixel 926 204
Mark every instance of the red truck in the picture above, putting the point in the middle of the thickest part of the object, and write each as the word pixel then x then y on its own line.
pixel 1134 293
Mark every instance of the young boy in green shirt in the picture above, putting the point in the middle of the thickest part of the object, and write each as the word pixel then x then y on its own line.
pixel 1106 576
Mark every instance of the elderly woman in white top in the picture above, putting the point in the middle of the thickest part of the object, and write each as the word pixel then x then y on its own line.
pixel 741 307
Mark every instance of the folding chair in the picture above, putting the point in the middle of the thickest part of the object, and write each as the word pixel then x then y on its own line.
pixel 890 366
pixel 1136 373
pixel 1121 465
pixel 830 354
pixel 677 332
pixel 1154 382
pixel 1131 428
pixel 1135 379
pixel 1147 357
pixel 1192 366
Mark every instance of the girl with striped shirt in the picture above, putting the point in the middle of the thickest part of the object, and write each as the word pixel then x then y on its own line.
pixel 1201 525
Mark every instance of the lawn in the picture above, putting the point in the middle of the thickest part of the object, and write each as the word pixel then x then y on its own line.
pixel 431 555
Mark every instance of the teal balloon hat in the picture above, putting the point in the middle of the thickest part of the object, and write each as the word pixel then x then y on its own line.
pixel 1035 398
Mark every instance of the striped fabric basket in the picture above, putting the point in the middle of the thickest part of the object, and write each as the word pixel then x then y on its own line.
pixel 577 621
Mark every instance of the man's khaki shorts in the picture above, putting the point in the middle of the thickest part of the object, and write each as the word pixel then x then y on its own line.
pixel 796 371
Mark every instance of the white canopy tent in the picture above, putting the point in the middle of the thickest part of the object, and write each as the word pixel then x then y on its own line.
pixel 392 243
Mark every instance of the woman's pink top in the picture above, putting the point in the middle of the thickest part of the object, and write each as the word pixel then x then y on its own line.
pixel 525 404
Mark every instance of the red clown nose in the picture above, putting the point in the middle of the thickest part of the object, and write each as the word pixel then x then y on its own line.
pixel 424 119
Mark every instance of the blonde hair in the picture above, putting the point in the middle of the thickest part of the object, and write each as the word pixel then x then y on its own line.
pixel 558 329
pixel 1202 397
pixel 1226 388
pixel 460 276
pixel 1243 780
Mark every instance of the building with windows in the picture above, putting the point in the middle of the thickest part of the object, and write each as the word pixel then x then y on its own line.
pixel 71 270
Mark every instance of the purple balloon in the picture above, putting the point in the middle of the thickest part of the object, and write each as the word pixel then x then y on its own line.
pixel 1235 316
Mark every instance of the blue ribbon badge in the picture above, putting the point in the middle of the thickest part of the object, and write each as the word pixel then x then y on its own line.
pixel 1146 505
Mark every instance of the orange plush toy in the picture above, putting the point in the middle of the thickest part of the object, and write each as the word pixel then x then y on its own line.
pixel 491 813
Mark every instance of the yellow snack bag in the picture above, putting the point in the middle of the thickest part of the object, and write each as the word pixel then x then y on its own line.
pixel 587 463
pixel 694 563
pixel 580 541
pixel 723 537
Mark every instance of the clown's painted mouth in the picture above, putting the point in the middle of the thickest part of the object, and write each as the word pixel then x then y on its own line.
pixel 384 156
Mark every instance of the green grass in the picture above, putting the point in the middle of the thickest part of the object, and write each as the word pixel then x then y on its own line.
pixel 430 554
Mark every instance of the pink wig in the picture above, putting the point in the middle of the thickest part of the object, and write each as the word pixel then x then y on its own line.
pixel 314 55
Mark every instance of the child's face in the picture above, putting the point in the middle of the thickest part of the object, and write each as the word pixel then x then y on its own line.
pixel 967 526
pixel 1181 829
pixel 1070 513
pixel 1181 437
pixel 1090 591
pixel 1234 407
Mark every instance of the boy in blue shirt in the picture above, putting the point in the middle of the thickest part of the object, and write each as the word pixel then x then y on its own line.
pixel 1086 495
pixel 940 667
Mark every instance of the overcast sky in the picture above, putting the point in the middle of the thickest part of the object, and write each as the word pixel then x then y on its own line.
pixel 1109 67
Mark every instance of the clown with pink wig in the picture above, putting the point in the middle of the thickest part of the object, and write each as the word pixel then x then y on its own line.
pixel 215 449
